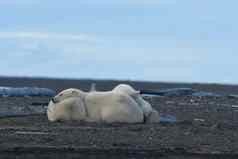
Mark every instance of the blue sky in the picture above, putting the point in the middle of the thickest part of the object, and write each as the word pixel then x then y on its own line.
pixel 153 40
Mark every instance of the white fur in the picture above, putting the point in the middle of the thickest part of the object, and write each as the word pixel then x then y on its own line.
pixel 74 104
pixel 122 104
pixel 66 110
pixel 151 114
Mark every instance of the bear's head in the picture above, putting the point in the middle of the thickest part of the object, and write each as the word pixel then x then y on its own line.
pixel 68 93
pixel 126 89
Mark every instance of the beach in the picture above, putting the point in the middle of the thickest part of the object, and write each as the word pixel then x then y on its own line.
pixel 205 126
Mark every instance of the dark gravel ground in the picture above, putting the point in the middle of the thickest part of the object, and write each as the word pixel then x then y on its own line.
pixel 206 127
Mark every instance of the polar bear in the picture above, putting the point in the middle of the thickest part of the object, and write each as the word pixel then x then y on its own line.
pixel 109 107
pixel 151 115
pixel 71 108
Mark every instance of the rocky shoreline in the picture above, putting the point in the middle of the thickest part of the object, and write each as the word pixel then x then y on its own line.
pixel 205 127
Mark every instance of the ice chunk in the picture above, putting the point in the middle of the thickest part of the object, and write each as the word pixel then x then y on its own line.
pixel 26 91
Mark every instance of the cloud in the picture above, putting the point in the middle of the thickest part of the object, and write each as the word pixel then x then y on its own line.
pixel 132 3
pixel 138 58
pixel 46 36
pixel 153 2
pixel 18 2
pixel 75 3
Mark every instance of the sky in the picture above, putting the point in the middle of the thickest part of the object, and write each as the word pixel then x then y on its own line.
pixel 151 40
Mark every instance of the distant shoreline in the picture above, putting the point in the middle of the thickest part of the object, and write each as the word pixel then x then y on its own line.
pixel 112 79
pixel 58 84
